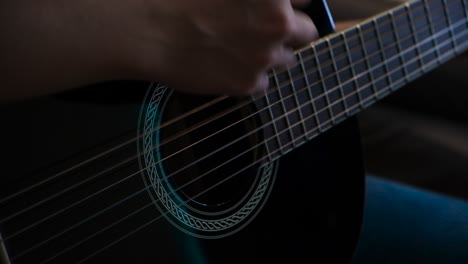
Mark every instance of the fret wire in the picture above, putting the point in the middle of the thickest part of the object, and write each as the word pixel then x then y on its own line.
pixel 452 31
pixel 397 42
pixel 400 66
pixel 297 100
pixel 324 85
pixel 431 29
pixel 347 51
pixel 392 15
pixel 320 75
pixel 427 20
pixel 414 47
pixel 268 150
pixel 384 57
pixel 357 105
pixel 337 76
pixel 280 93
pixel 361 100
pixel 366 55
pixel 345 113
pixel 398 45
pixel 306 78
pixel 434 61
pixel 450 25
pixel 350 61
pixel 273 121
pixel 119 239
pixel 407 50
pixel 415 37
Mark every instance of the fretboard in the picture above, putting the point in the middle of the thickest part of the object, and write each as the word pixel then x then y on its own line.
pixel 338 76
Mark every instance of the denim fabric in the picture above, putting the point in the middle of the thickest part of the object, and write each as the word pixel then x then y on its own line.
pixel 403 224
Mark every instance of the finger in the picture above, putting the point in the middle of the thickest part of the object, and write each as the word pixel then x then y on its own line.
pixel 283 56
pixel 262 84
pixel 300 3
pixel 304 31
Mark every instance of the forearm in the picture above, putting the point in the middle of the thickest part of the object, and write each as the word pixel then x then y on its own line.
pixel 224 47
pixel 46 47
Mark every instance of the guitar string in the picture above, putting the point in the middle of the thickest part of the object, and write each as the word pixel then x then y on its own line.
pixel 342 112
pixel 265 158
pixel 110 150
pixel 130 141
pixel 33 224
pixel 134 157
pixel 437 61
pixel 48 217
pixel 199 194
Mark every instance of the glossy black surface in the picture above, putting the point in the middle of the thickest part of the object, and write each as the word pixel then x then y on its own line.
pixel 313 213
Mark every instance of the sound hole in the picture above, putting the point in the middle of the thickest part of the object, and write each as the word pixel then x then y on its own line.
pixel 210 166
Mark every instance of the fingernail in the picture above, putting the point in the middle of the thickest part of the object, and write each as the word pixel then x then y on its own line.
pixel 262 84
pixel 291 59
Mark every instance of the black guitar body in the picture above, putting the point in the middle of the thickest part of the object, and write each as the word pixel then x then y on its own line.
pixel 309 209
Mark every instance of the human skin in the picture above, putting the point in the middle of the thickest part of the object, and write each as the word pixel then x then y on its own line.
pixel 205 46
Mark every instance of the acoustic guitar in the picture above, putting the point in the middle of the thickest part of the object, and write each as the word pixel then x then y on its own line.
pixel 137 172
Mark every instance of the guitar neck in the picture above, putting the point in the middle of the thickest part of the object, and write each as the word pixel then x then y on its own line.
pixel 338 76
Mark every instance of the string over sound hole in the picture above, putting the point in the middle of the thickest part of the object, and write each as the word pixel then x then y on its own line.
pixel 209 163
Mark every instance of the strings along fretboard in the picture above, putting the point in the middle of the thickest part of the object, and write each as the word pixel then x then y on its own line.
pixel 338 76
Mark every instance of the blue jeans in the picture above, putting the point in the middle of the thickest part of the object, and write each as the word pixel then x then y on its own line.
pixel 403 224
